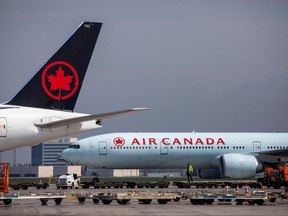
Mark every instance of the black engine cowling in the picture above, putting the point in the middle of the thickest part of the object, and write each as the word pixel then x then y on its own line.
pixel 239 166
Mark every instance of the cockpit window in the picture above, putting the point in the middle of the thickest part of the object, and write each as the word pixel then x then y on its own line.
pixel 74 146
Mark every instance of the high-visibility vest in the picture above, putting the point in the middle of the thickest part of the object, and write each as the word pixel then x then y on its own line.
pixel 269 172
pixel 189 169
pixel 286 174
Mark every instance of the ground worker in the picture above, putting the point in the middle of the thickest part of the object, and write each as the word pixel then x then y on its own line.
pixel 189 171
pixel 285 177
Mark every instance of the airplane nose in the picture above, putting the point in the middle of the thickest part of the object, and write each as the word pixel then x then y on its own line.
pixel 71 154
pixel 63 155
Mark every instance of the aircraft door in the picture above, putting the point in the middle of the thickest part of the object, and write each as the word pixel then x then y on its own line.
pixel 257 146
pixel 163 149
pixel 3 127
pixel 102 148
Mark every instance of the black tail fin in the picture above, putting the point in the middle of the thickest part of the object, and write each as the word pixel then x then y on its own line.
pixel 57 84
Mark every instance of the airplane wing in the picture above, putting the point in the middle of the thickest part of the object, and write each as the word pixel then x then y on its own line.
pixel 66 122
pixel 276 152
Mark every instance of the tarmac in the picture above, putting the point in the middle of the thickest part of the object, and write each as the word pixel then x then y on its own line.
pixel 72 207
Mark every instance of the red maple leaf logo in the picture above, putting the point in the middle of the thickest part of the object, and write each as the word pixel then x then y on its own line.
pixel 119 141
pixel 67 85
pixel 60 81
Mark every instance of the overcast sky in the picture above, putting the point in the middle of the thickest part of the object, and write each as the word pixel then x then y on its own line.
pixel 199 65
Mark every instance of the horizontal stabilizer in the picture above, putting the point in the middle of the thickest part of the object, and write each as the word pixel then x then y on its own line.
pixel 67 122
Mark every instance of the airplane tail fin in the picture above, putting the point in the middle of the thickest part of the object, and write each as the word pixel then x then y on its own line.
pixel 57 84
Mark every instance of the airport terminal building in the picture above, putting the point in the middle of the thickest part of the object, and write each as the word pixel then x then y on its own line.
pixel 46 154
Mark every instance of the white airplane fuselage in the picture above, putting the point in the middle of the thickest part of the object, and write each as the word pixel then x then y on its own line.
pixel 17 126
pixel 232 151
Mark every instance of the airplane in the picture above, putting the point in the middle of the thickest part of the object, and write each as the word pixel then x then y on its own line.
pixel 214 155
pixel 44 108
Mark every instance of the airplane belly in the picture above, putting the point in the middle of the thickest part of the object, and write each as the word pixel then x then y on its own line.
pixel 149 161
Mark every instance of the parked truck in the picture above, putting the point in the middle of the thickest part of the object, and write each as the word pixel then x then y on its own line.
pixel 70 180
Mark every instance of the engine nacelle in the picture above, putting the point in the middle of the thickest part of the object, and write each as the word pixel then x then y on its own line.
pixel 209 173
pixel 238 166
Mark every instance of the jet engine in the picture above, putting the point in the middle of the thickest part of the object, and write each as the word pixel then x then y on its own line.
pixel 239 166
